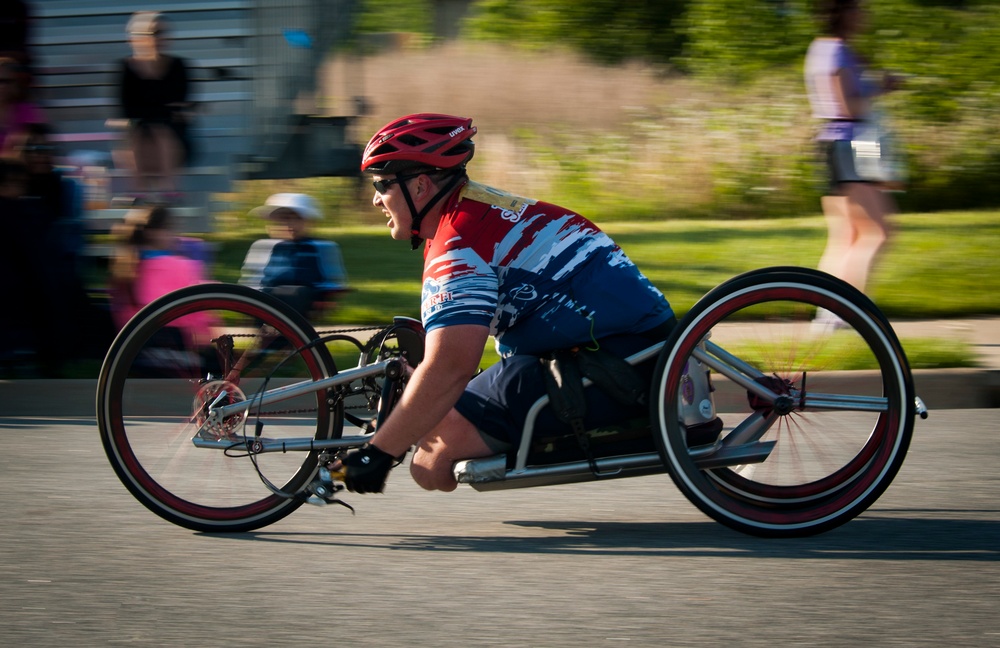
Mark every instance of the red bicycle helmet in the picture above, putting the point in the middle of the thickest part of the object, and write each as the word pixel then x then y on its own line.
pixel 420 140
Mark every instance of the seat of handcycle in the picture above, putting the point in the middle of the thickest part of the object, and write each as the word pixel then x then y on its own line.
pixel 632 436
pixel 568 375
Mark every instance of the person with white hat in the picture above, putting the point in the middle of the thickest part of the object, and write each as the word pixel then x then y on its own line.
pixel 304 272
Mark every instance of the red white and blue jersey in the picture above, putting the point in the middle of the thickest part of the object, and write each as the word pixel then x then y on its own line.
pixel 540 276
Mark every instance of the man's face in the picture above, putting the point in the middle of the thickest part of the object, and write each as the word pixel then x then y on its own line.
pixel 393 204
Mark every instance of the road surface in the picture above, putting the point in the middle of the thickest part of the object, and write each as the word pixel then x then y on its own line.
pixel 621 563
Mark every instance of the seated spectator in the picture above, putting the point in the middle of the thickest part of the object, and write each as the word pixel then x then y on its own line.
pixel 40 288
pixel 153 89
pixel 147 265
pixel 304 272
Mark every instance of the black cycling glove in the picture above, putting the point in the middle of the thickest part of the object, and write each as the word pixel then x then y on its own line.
pixel 366 469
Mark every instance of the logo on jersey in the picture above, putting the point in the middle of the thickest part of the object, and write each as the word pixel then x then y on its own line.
pixel 510 215
pixel 524 292
pixel 432 294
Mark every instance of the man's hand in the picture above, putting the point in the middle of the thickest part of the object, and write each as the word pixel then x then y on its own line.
pixel 366 469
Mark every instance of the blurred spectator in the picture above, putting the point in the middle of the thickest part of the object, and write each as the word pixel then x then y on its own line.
pixel 147 264
pixel 14 24
pixel 17 282
pixel 60 197
pixel 15 28
pixel 15 111
pixel 45 304
pixel 154 99
pixel 841 94
pixel 302 271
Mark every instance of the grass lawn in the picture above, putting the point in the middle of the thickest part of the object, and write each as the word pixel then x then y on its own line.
pixel 935 266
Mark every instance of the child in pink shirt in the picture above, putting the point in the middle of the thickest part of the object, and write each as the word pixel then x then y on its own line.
pixel 148 266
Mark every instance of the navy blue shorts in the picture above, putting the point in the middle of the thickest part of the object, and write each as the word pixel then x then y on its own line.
pixel 497 401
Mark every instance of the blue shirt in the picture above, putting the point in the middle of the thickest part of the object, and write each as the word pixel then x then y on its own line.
pixel 308 262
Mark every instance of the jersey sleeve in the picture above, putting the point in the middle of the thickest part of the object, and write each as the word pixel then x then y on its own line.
pixel 459 288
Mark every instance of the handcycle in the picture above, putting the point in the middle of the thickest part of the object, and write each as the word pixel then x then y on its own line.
pixel 236 431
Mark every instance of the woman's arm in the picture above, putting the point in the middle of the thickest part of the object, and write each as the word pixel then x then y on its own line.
pixel 845 91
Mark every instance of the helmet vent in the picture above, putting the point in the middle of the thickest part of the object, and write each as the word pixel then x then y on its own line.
pixel 411 140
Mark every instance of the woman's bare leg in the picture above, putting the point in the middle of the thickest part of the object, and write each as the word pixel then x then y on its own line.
pixel 839 234
pixel 868 207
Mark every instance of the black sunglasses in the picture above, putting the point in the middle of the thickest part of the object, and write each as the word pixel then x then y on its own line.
pixel 382 186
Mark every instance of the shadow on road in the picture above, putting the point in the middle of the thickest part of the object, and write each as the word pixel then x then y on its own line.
pixel 875 536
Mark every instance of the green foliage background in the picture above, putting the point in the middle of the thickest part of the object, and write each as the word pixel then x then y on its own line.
pixel 609 31
pixel 748 54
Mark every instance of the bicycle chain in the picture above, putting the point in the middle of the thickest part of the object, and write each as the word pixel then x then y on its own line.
pixel 305 411
pixel 321 334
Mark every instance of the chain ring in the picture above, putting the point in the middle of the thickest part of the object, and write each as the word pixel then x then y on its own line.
pixel 206 395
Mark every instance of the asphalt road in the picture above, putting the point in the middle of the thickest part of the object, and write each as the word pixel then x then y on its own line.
pixel 622 563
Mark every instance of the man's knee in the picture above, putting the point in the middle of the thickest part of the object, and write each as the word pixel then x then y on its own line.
pixel 454 439
pixel 432 471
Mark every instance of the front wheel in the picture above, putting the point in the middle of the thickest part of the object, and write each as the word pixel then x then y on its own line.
pixel 815 397
pixel 202 346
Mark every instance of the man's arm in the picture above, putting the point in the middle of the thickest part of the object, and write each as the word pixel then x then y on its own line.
pixel 451 358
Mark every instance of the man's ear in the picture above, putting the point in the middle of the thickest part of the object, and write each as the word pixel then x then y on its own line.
pixel 424 184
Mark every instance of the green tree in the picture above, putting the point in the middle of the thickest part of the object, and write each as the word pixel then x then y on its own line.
pixel 739 39
pixel 608 31
pixel 378 16
pixel 950 51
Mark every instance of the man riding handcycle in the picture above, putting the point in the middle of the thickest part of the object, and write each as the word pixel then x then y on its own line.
pixel 763 421
pixel 551 287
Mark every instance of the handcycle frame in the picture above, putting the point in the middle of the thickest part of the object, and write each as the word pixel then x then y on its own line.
pixel 482 471
pixel 709 475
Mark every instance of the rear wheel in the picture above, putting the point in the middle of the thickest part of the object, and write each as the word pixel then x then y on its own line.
pixel 204 345
pixel 817 411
